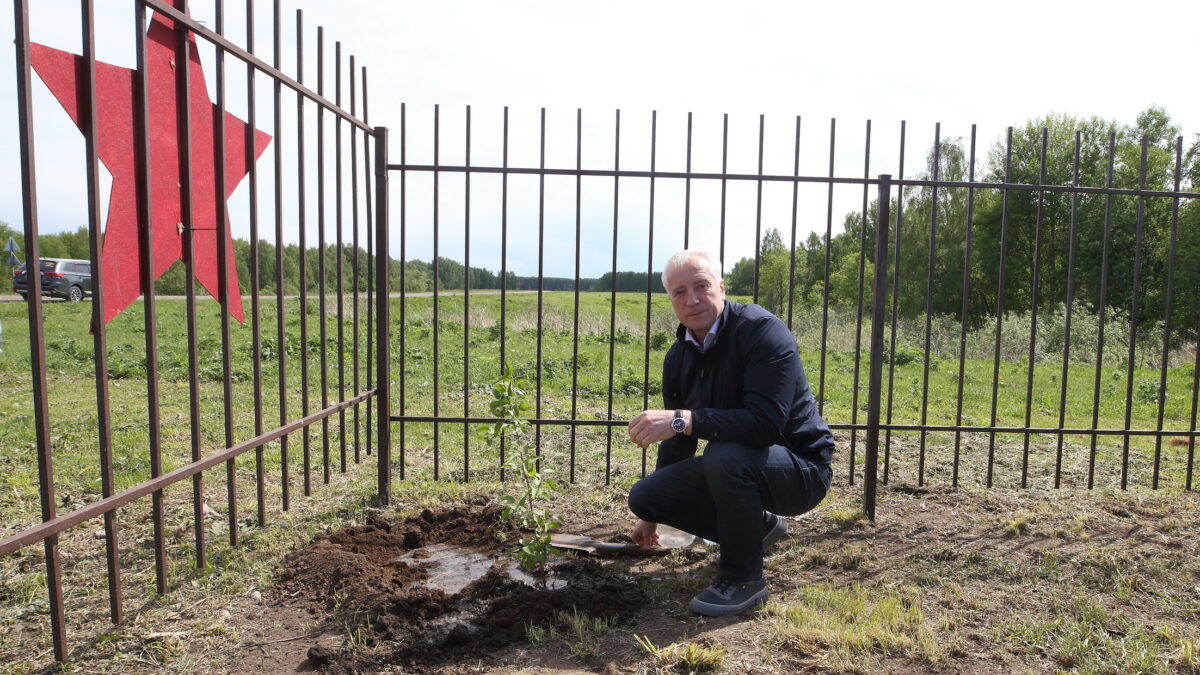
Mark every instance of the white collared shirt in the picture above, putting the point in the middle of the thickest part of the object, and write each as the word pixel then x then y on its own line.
pixel 710 338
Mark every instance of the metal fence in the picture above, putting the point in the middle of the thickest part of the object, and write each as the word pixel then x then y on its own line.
pixel 912 230
pixel 340 293
pixel 922 388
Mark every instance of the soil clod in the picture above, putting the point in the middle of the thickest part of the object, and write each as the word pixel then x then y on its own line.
pixel 319 656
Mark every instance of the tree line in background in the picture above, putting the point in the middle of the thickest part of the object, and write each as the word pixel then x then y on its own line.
pixel 1026 234
pixel 418 275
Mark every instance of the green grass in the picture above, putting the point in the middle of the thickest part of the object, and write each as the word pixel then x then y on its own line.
pixel 579 633
pixel 1082 636
pixel 461 389
pixel 570 386
pixel 72 395
pixel 687 657
pixel 854 625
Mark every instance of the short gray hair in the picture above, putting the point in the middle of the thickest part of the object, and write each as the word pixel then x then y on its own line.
pixel 687 255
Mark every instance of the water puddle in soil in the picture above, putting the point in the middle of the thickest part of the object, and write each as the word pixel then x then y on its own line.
pixel 452 568
pixel 451 593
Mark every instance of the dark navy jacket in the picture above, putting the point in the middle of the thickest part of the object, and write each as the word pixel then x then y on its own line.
pixel 749 387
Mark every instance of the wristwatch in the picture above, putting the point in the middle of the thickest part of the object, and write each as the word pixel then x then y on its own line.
pixel 678 423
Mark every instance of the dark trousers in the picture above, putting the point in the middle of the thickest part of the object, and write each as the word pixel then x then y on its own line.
pixel 722 494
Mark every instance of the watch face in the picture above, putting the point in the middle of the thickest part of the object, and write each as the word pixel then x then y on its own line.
pixel 679 424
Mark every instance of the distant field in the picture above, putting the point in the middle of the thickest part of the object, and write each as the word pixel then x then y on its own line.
pixel 462 389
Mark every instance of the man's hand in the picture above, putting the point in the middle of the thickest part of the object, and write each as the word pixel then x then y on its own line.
pixel 652 426
pixel 644 533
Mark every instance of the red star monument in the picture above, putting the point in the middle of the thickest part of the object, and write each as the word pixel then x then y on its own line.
pixel 64 73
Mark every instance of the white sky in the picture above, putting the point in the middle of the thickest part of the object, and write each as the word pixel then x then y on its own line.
pixel 957 63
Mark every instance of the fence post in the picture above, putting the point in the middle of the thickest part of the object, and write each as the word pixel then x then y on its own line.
pixel 382 319
pixel 37 341
pixel 875 382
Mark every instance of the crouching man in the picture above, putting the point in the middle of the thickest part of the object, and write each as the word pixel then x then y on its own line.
pixel 733 378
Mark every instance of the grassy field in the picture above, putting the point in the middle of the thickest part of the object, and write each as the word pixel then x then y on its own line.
pixel 457 387
pixel 460 387
pixel 570 385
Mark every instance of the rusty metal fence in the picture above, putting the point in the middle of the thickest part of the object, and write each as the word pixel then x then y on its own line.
pixel 912 327
pixel 320 415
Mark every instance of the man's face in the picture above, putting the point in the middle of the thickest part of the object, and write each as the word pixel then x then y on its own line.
pixel 697 295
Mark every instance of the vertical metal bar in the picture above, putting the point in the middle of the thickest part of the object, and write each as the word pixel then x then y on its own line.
pixel 146 280
pixel 340 268
pixel 862 262
pixel 371 253
pixel 354 321
pixel 964 317
pixel 1033 304
pixel 687 187
pixel 612 313
pixel 792 247
pixel 223 290
pixel 382 323
pixel 1072 254
pixel 437 283
pixel 649 273
pixel 383 252
pixel 875 377
pixel 1000 303
pixel 467 306
pixel 758 208
pixel 340 251
pixel 1133 312
pixel 504 272
pixel 503 259
pixel 537 430
pixel 933 209
pixel 1102 304
pixel 1191 459
pixel 575 322
pixel 321 310
pixel 183 128
pixel 99 333
pixel 825 291
pixel 887 434
pixel 37 338
pixel 724 181
pixel 302 227
pixel 260 488
pixel 1168 326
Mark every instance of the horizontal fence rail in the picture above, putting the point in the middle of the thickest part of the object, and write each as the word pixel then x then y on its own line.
pixel 109 504
pixel 197 365
pixel 821 180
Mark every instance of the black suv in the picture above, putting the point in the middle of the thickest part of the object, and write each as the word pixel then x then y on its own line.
pixel 61 278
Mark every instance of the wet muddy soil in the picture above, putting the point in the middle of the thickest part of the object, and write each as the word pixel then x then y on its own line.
pixel 437 588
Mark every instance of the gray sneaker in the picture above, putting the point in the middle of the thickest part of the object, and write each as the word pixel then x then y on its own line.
pixel 775 527
pixel 725 598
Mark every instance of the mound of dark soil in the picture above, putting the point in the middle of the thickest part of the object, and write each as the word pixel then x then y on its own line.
pixel 438 587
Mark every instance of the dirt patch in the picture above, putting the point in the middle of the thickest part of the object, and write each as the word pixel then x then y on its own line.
pixel 1035 580
pixel 437 588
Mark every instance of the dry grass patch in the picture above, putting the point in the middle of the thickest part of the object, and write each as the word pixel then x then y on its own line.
pixel 579 634
pixel 852 626
pixel 688 657
pixel 848 517
pixel 1084 636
